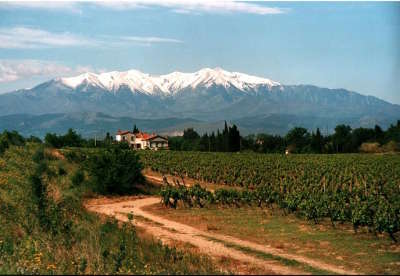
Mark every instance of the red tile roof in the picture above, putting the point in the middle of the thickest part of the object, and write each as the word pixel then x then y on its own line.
pixel 155 136
pixel 123 132
pixel 144 135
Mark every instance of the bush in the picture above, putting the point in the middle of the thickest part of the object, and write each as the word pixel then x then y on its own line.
pixel 75 156
pixel 3 145
pixel 38 156
pixel 78 178
pixel 392 146
pixel 34 139
pixel 13 138
pixel 114 171
pixel 61 171
pixel 370 148
pixel 70 139
pixel 52 140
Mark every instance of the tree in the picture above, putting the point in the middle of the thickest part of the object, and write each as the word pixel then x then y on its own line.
pixel 213 142
pixel 108 139
pixel 225 138
pixel 360 136
pixel 135 129
pixel 248 142
pixel 13 138
pixel 298 138
pixel 72 139
pixel 114 170
pixel 270 143
pixel 341 138
pixel 204 144
pixel 219 141
pixel 317 142
pixel 379 134
pixel 34 139
pixel 175 143
pixel 233 139
pixel 51 139
pixel 190 134
pixel 393 133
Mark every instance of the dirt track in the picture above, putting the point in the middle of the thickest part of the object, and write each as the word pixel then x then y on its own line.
pixel 167 230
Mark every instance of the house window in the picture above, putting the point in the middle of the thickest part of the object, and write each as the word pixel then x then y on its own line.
pixel 132 138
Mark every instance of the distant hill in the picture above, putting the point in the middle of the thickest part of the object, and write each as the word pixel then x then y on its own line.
pixel 87 124
pixel 90 124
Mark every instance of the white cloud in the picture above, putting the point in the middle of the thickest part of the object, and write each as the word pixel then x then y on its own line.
pixel 189 6
pixel 30 38
pixel 68 6
pixel 13 70
pixel 177 6
pixel 150 39
pixel 23 37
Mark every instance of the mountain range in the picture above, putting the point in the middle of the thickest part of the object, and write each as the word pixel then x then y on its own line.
pixel 203 98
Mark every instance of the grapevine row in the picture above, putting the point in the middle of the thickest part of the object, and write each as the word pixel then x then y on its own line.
pixel 361 189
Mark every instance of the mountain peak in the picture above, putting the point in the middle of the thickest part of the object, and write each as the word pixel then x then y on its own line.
pixel 169 83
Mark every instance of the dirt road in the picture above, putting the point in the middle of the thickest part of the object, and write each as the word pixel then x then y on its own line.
pixel 208 243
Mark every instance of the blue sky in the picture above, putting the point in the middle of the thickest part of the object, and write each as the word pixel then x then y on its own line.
pixel 337 45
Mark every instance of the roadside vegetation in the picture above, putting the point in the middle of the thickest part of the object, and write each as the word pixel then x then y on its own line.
pixel 45 229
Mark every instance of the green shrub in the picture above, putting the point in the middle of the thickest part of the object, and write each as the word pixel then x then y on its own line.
pixel 70 139
pixel 3 145
pixel 75 156
pixel 13 138
pixel 38 156
pixel 114 171
pixel 34 139
pixel 61 171
pixel 77 178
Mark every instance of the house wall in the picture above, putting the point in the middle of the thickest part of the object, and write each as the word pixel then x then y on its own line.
pixel 140 143
pixel 129 137
pixel 158 143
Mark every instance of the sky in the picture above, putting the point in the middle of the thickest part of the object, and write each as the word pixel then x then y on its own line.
pixel 353 45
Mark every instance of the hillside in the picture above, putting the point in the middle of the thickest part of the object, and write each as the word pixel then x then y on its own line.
pixel 89 124
pixel 46 230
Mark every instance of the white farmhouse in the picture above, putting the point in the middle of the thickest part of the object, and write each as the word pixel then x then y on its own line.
pixel 142 140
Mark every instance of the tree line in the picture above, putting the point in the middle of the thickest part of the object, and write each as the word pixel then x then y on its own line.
pixel 297 140
pixel 228 140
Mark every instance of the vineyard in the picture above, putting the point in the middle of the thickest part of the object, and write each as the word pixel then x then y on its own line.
pixel 361 189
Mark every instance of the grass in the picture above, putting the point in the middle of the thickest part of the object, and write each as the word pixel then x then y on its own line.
pixel 47 230
pixel 340 246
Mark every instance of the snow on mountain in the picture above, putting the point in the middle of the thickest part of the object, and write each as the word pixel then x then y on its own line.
pixel 169 83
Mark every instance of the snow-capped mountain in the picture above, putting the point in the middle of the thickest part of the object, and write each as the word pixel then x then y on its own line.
pixel 168 84
pixel 208 94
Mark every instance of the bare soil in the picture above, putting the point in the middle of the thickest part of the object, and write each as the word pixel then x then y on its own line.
pixel 208 243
